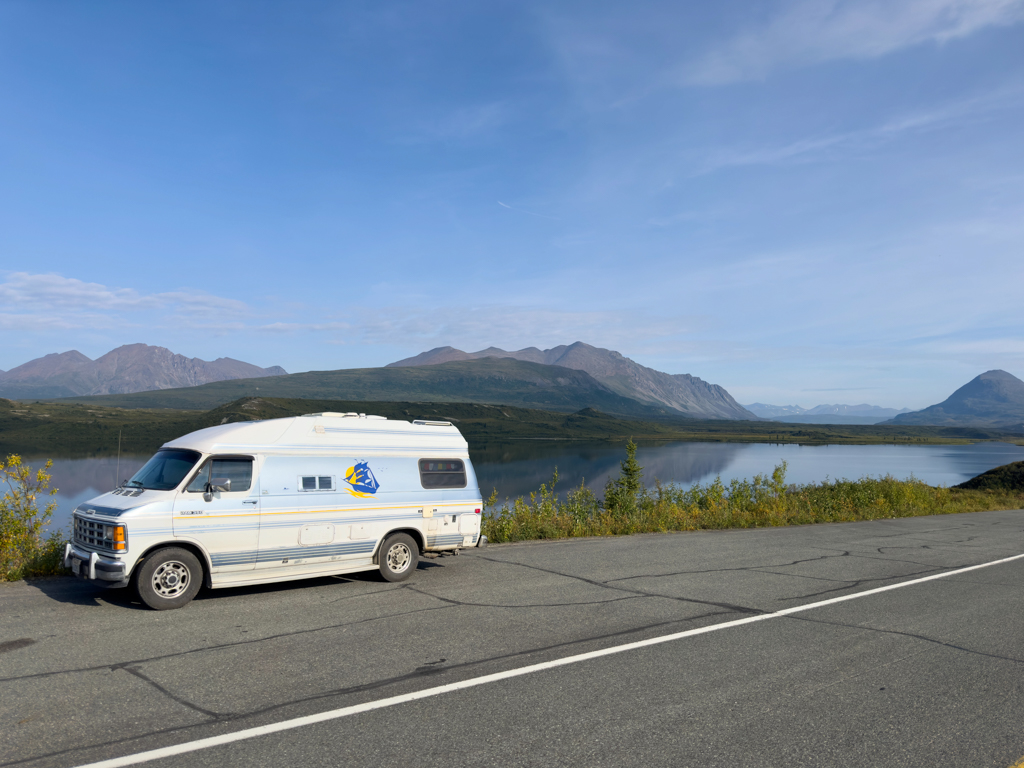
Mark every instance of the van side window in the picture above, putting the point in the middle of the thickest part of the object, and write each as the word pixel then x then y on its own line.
pixel 442 473
pixel 237 470
pixel 316 482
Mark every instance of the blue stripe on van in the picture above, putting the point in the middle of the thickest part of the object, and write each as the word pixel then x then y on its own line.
pixel 444 541
pixel 281 553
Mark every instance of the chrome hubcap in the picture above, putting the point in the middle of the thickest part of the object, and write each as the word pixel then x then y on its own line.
pixel 399 557
pixel 171 579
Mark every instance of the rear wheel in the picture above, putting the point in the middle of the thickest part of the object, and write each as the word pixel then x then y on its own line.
pixel 398 557
pixel 168 578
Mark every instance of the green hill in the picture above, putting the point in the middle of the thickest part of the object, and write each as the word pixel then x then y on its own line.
pixel 74 429
pixel 493 381
pixel 1009 477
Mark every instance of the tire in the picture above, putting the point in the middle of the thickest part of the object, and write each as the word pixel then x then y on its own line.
pixel 168 578
pixel 398 557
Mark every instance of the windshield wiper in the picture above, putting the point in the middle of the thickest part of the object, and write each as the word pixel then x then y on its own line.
pixel 135 482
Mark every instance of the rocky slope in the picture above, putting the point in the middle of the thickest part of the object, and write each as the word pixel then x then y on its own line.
pixel 993 399
pixel 131 368
pixel 687 394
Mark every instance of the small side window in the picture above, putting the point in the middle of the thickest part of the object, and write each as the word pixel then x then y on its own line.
pixel 442 473
pixel 316 482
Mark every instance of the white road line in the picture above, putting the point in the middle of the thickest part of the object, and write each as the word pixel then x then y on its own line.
pixel 335 714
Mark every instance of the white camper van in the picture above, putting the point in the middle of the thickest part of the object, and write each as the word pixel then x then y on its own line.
pixel 282 499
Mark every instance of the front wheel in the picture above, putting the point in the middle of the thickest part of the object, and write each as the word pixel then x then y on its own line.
pixel 398 557
pixel 168 578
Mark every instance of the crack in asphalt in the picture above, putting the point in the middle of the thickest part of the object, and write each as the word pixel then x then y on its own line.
pixel 453 601
pixel 220 647
pixel 845 553
pixel 912 635
pixel 184 702
pixel 727 606
pixel 424 671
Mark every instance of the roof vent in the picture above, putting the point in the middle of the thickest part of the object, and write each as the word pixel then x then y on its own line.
pixel 423 423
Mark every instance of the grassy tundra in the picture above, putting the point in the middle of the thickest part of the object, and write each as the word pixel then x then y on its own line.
pixel 628 507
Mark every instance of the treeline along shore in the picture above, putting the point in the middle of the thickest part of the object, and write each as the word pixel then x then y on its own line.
pixel 54 428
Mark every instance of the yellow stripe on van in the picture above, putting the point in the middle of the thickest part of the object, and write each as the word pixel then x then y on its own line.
pixel 415 508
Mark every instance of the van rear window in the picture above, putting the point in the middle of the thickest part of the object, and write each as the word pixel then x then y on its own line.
pixel 442 473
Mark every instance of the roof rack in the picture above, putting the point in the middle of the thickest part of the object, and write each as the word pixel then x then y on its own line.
pixel 424 423
pixel 349 415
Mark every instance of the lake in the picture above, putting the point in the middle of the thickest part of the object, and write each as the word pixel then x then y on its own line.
pixel 516 469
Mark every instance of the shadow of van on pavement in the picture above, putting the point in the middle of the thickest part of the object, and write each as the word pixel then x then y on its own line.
pixel 74 591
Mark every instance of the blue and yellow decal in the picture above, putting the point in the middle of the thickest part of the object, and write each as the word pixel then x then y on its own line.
pixel 361 479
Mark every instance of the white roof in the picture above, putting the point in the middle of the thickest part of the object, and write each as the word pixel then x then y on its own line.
pixel 326 433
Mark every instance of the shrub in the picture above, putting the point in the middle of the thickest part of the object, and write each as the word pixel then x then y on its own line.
pixel 766 500
pixel 26 548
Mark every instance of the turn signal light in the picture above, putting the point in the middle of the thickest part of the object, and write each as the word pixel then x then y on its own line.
pixel 119 542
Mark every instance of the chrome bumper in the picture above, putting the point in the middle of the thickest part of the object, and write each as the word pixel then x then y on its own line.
pixel 89 565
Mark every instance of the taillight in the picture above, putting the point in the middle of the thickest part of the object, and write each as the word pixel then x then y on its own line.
pixel 477 511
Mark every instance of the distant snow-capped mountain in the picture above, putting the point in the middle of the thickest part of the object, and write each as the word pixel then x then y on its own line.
pixel 825 414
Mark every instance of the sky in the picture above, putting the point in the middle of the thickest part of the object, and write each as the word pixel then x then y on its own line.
pixel 804 202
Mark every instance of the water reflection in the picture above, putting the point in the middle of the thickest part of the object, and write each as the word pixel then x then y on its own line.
pixel 516 470
pixel 78 480
pixel 519 467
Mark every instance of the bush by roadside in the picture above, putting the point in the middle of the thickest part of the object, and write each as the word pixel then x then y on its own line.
pixel 628 507
pixel 26 547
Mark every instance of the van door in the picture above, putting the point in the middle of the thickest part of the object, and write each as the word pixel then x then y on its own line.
pixel 220 510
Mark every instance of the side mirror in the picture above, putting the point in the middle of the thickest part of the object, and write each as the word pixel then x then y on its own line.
pixel 217 484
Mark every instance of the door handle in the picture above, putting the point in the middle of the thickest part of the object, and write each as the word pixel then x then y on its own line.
pixel 251 501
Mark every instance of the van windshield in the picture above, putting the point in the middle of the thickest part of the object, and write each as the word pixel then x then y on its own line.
pixel 165 470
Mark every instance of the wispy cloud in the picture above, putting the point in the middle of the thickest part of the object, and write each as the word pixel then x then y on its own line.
pixel 461 123
pixel 523 210
pixel 811 148
pixel 55 302
pixel 813 31
pixel 291 328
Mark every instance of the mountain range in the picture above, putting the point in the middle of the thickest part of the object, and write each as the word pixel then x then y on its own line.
pixel 130 368
pixel 566 378
pixel 490 381
pixel 687 394
pixel 825 414
pixel 993 399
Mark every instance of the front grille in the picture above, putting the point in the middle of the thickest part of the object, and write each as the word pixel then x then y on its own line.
pixel 89 533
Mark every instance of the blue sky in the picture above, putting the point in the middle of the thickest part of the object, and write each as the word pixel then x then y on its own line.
pixel 804 202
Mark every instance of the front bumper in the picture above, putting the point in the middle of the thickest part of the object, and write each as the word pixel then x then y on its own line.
pixel 91 566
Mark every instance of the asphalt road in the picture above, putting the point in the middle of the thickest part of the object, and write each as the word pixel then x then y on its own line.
pixel 930 674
